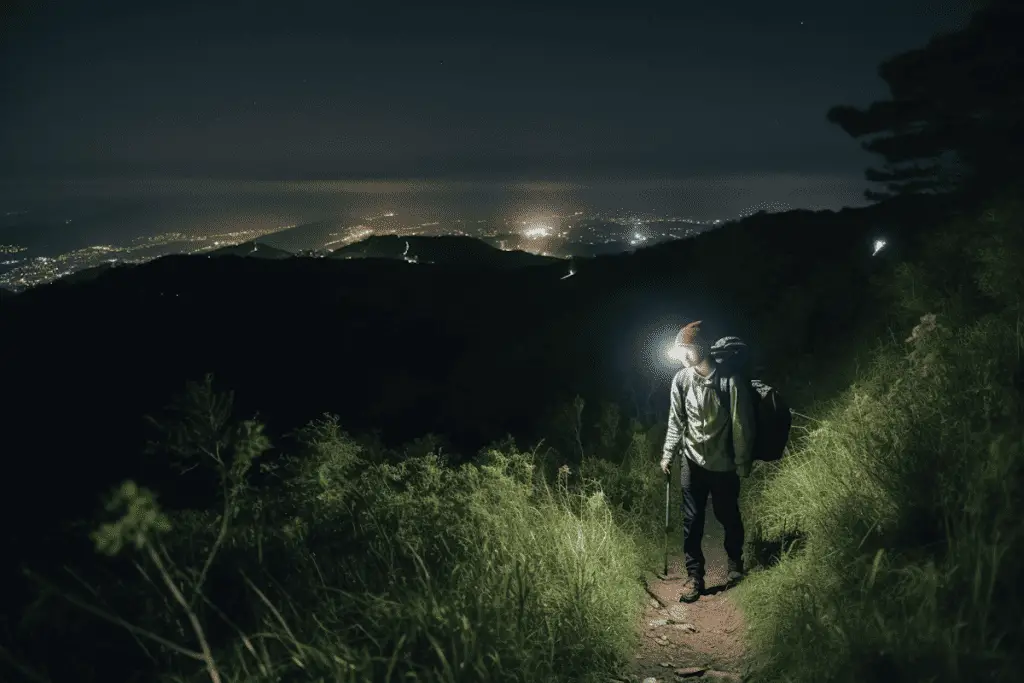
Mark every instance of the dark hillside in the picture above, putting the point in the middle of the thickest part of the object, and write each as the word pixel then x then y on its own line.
pixel 472 353
pixel 252 250
pixel 452 250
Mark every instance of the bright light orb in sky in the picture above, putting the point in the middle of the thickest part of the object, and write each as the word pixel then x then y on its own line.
pixel 879 245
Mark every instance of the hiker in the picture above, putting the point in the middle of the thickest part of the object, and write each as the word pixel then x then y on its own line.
pixel 716 433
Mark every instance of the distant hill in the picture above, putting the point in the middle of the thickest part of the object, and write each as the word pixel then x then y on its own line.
pixel 89 274
pixel 452 250
pixel 252 250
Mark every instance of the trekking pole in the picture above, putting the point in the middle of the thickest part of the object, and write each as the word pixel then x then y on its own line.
pixel 668 484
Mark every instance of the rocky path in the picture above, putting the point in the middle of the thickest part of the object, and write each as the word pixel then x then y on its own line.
pixel 698 641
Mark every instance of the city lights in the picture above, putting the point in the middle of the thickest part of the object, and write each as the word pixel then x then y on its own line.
pixel 561 235
pixel 538 231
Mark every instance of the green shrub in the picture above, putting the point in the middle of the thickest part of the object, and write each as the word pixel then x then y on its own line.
pixel 327 565
pixel 906 495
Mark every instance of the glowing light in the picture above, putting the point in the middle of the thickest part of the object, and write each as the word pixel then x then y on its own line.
pixel 538 231
pixel 674 352
pixel 879 245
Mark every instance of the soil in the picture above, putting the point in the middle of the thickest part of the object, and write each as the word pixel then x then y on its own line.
pixel 701 640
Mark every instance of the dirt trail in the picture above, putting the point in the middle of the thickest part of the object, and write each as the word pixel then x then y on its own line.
pixel 705 635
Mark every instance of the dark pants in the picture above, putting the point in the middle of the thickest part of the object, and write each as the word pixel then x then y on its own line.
pixel 724 488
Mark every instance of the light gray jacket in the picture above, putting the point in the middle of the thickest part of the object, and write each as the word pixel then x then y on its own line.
pixel 714 440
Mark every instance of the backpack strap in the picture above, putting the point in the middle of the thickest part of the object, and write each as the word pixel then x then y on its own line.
pixel 722 386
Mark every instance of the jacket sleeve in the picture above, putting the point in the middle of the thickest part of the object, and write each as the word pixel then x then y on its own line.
pixel 744 421
pixel 676 419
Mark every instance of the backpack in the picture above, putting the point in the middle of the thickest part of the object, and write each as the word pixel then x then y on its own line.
pixel 774 416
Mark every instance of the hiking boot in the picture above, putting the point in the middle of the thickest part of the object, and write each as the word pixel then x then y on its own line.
pixel 692 590
pixel 733 577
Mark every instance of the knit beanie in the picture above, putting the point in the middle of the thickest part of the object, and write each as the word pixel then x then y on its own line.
pixel 690 335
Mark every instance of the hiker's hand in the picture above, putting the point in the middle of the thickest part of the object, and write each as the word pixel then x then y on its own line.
pixel 666 465
pixel 743 470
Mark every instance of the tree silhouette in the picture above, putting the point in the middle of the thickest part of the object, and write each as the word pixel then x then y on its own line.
pixel 955 114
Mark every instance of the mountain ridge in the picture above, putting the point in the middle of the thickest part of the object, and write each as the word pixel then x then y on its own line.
pixel 440 249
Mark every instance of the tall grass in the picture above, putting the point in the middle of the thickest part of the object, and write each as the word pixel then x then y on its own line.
pixel 906 498
pixel 331 565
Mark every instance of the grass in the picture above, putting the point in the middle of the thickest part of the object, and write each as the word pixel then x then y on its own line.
pixel 337 564
pixel 905 496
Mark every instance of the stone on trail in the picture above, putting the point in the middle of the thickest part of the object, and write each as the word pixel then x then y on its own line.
pixel 677 613
pixel 650 679
pixel 655 623
pixel 689 628
pixel 690 672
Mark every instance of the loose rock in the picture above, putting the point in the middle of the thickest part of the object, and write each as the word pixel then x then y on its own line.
pixel 655 623
pixel 690 672
pixel 689 628
pixel 677 612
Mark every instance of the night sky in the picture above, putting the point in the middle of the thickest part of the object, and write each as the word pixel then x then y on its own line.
pixel 299 90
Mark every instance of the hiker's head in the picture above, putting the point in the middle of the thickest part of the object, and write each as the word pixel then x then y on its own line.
pixel 691 347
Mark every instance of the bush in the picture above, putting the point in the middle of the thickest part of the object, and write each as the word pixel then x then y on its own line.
pixel 327 565
pixel 906 495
